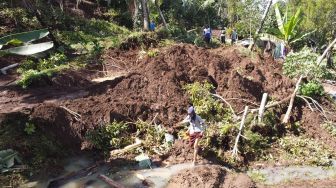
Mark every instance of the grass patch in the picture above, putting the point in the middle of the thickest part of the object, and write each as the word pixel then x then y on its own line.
pixel 256 176
pixel 301 150
pixel 330 127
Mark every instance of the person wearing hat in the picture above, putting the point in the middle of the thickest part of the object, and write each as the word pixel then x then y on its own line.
pixel 195 129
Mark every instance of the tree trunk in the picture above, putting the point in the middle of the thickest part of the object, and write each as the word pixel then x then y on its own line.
pixel 261 25
pixel 161 14
pixel 135 13
pixel 145 14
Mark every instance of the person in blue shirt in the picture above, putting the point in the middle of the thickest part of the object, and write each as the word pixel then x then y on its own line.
pixel 207 34
pixel 234 36
pixel 152 26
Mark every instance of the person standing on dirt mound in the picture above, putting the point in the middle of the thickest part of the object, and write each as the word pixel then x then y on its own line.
pixel 195 130
pixel 207 34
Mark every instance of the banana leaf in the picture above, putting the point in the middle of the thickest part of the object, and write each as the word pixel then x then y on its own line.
pixel 279 19
pixel 29 49
pixel 24 37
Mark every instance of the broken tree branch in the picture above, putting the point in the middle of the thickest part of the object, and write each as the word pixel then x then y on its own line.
pixel 317 105
pixel 75 114
pixel 110 182
pixel 262 107
pixel 291 102
pixel 218 96
pixel 235 148
pixel 319 60
pixel 307 102
pixel 137 143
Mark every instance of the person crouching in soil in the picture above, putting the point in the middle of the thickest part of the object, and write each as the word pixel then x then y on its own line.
pixel 195 130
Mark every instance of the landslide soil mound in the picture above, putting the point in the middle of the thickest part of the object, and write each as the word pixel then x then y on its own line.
pixel 142 87
pixel 209 176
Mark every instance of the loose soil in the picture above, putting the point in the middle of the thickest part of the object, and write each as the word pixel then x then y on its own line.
pixel 131 86
pixel 209 176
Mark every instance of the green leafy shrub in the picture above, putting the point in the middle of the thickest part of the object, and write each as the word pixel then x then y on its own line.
pixel 205 104
pixel 199 42
pixel 254 144
pixel 312 89
pixel 304 63
pixel 152 135
pixel 112 136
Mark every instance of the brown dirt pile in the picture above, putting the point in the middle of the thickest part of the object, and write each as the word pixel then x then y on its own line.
pixel 209 176
pixel 149 86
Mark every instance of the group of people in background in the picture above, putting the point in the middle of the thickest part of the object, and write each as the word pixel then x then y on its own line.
pixel 207 34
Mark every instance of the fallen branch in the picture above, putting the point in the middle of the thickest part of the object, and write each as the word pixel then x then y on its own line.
pixel 291 102
pixel 317 105
pixel 272 104
pixel 307 102
pixel 75 114
pixel 137 143
pixel 4 70
pixel 235 148
pixel 218 96
pixel 245 100
pixel 110 182
pixel 319 60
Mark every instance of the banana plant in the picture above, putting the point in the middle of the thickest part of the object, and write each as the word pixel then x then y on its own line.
pixel 287 27
pixel 23 43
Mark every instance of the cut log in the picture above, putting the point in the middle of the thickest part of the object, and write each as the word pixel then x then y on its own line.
pixel 262 107
pixel 235 148
pixel 110 182
pixel 291 102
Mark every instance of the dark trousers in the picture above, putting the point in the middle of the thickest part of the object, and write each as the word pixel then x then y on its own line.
pixel 222 39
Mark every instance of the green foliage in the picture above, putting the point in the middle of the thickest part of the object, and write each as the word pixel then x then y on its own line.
pixel 312 89
pixel 304 63
pixel 112 136
pixel 152 135
pixel 153 53
pixel 302 150
pixel 254 144
pixel 330 127
pixel 29 128
pixel 35 72
pixel 31 76
pixel 256 176
pixel 205 104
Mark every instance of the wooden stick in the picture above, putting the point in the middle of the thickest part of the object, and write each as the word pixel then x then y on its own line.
pixel 272 104
pixel 235 148
pixel 291 102
pixel 262 107
pixel 75 114
pixel 110 182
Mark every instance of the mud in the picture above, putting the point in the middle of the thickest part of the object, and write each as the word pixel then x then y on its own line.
pixel 134 86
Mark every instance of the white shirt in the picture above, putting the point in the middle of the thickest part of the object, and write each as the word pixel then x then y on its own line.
pixel 196 125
